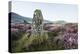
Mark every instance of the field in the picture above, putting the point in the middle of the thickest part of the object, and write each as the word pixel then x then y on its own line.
pixel 56 37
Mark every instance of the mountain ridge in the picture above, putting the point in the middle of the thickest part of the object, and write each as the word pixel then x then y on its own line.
pixel 16 18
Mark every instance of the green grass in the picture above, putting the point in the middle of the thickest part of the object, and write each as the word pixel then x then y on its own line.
pixel 36 43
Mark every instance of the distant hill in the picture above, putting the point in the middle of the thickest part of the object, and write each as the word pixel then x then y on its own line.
pixel 16 18
pixel 60 22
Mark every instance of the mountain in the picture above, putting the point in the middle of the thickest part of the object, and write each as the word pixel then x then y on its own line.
pixel 16 18
pixel 60 22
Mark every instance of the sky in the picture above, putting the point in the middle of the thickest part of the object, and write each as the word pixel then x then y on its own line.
pixel 50 11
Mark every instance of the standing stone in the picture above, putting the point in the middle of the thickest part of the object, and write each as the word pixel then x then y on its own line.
pixel 37 23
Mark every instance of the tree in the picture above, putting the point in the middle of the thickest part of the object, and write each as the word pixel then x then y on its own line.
pixel 25 22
